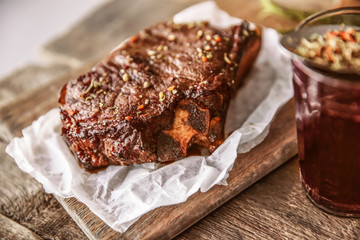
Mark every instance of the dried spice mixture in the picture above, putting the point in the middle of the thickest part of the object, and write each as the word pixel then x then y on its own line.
pixel 336 49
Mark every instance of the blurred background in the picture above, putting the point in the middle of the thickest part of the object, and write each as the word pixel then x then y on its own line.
pixel 27 24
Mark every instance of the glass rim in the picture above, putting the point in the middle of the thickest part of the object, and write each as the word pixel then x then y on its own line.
pixel 333 81
pixel 325 13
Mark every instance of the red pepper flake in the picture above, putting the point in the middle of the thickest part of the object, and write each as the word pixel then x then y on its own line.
pixel 216 119
pixel 204 59
pixel 346 36
pixel 133 39
pixel 128 118
pixel 72 113
pixel 141 107
pixel 331 35
pixel 217 38
pixel 171 88
pixel 328 52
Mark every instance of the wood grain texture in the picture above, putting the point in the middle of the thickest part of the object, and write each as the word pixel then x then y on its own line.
pixel 274 208
pixel 23 200
pixel 27 79
pixel 12 230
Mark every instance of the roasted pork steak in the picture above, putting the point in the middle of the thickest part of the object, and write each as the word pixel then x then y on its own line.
pixel 164 90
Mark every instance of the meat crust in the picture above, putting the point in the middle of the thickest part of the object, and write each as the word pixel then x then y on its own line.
pixel 162 91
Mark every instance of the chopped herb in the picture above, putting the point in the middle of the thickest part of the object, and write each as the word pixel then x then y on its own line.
pixel 199 34
pixel 226 59
pixel 151 52
pixel 147 101
pixel 147 84
pixel 90 87
pixel 171 37
pixel 161 96
pixel 126 77
pixel 97 84
pixel 88 98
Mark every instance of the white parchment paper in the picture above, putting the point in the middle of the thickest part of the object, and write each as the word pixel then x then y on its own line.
pixel 119 195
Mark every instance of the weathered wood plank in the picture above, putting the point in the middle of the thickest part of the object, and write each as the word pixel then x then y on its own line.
pixel 12 230
pixel 27 79
pixel 274 208
pixel 23 200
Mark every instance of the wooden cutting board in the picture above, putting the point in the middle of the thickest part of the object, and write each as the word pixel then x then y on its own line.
pixel 167 222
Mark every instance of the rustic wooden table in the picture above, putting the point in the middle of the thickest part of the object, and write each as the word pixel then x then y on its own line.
pixel 273 208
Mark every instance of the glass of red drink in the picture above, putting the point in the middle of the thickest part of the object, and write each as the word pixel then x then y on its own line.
pixel 327 99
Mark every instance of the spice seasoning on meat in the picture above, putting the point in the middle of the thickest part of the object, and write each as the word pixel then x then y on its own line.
pixel 140 92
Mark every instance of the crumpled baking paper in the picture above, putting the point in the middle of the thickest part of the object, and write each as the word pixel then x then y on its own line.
pixel 120 195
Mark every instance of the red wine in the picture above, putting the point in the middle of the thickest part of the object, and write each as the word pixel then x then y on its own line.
pixel 328 131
